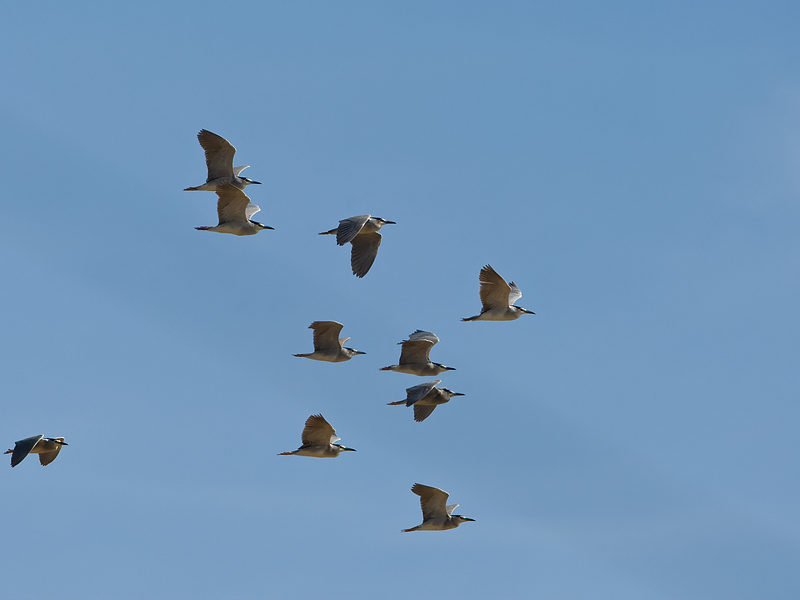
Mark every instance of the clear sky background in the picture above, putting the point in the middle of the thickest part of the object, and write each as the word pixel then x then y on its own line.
pixel 633 167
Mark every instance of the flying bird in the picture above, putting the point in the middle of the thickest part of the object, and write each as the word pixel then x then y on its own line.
pixel 425 398
pixel 219 159
pixel 498 298
pixel 436 514
pixel 235 209
pixel 46 448
pixel 362 233
pixel 415 356
pixel 318 438
pixel 328 346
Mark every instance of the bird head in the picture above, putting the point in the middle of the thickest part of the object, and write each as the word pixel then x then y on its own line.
pixel 344 448
pixel 525 310
pixel 444 368
pixel 384 221
pixel 451 393
pixel 354 351
pixel 461 519
pixel 261 225
pixel 249 181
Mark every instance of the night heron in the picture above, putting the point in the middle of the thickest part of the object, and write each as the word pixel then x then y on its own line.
pixel 46 448
pixel 219 159
pixel 426 397
pixel 498 298
pixel 318 438
pixel 362 233
pixel 415 356
pixel 437 515
pixel 328 346
pixel 235 209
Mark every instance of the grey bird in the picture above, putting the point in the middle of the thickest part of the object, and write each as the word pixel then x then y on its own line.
pixel 219 159
pixel 234 210
pixel 46 448
pixel 437 515
pixel 498 298
pixel 415 356
pixel 362 233
pixel 318 438
pixel 328 346
pixel 425 398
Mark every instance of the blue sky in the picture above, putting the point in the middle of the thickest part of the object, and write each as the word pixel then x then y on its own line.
pixel 632 167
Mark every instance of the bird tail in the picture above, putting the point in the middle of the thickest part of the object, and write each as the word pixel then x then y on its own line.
pixel 302 355
pixel 471 318
pixel 203 228
pixel 285 453
pixel 8 452
pixel 395 403
pixel 386 368
pixel 331 232
pixel 191 189
pixel 412 529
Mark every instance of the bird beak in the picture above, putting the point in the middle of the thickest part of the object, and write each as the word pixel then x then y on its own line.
pixel 348 449
pixel 458 394
pixel 467 519
pixel 64 443
pixel 390 223
pixel 256 182
pixel 449 368
pixel 360 352
pixel 530 312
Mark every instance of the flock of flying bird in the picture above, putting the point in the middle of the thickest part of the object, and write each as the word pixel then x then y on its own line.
pixel 235 212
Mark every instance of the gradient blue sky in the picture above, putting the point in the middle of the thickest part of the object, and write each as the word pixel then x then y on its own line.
pixel 632 166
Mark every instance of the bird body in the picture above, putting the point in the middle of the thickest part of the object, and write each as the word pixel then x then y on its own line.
pixel 328 346
pixel 425 398
pixel 362 233
pixel 46 448
pixel 437 515
pixel 497 298
pixel 415 356
pixel 219 160
pixel 318 440
pixel 234 210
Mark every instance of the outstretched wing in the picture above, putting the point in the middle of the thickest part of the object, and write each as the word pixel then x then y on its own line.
pixel 422 412
pixel 418 392
pixel 326 335
pixel 432 500
pixel 349 228
pixel 219 154
pixel 494 289
pixel 318 432
pixel 365 249
pixel 22 448
pixel 233 204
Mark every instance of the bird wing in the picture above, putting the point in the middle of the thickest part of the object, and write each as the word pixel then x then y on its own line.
pixel 318 432
pixel 494 289
pixel 22 448
pixel 415 352
pixel 250 210
pixel 432 500
pixel 237 170
pixel 219 154
pixel 423 335
pixel 365 249
pixel 515 294
pixel 422 412
pixel 418 392
pixel 47 457
pixel 349 228
pixel 232 205
pixel 326 335
pixel 450 508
